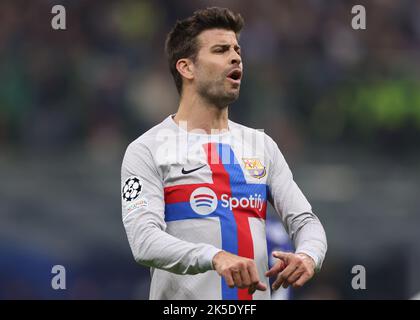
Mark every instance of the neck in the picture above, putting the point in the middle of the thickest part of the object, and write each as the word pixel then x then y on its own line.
pixel 200 114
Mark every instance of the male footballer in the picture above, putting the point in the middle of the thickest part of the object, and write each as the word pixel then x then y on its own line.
pixel 195 187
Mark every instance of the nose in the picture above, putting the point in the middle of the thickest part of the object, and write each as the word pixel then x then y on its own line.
pixel 235 58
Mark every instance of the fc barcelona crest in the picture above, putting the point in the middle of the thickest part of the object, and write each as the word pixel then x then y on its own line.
pixel 254 167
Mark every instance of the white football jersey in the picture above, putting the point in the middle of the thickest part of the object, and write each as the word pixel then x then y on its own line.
pixel 188 195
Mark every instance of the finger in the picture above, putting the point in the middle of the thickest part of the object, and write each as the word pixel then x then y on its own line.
pixel 282 277
pixel 257 284
pixel 252 288
pixel 292 277
pixel 229 280
pixel 281 255
pixel 253 274
pixel 246 279
pixel 237 279
pixel 289 270
pixel 261 286
pixel 279 281
pixel 301 281
pixel 295 275
pixel 276 269
pixel 287 282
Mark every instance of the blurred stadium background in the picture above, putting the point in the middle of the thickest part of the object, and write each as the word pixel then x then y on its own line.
pixel 344 106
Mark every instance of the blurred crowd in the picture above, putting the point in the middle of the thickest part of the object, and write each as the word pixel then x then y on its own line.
pixel 101 80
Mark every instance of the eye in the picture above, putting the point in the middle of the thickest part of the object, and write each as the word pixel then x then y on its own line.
pixel 220 50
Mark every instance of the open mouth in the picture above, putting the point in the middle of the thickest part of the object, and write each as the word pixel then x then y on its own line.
pixel 235 75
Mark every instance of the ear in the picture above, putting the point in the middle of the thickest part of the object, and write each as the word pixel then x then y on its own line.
pixel 186 68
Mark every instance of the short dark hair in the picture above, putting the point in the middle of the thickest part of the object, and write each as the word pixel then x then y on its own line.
pixel 181 41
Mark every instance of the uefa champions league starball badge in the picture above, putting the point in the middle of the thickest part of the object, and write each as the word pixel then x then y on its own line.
pixel 132 189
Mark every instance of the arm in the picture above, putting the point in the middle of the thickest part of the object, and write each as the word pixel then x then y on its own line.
pixel 302 225
pixel 144 222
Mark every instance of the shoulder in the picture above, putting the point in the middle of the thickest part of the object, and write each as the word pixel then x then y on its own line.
pixel 245 131
pixel 258 135
pixel 142 149
pixel 149 139
pixel 140 154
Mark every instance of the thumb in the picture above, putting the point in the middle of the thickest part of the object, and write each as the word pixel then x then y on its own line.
pixel 277 268
pixel 261 286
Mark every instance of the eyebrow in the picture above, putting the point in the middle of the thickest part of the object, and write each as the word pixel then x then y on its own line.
pixel 226 46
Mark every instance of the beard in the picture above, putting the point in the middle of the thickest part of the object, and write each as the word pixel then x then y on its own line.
pixel 217 92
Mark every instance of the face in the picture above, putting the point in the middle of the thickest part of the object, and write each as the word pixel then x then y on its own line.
pixel 218 67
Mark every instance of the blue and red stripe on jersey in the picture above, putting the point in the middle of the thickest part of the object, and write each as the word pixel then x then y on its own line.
pixel 228 178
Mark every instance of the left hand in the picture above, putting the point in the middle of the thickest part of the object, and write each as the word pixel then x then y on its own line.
pixel 291 269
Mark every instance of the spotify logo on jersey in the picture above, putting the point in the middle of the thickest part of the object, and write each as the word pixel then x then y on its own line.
pixel 203 201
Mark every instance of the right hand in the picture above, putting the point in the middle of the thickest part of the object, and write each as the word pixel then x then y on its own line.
pixel 238 271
